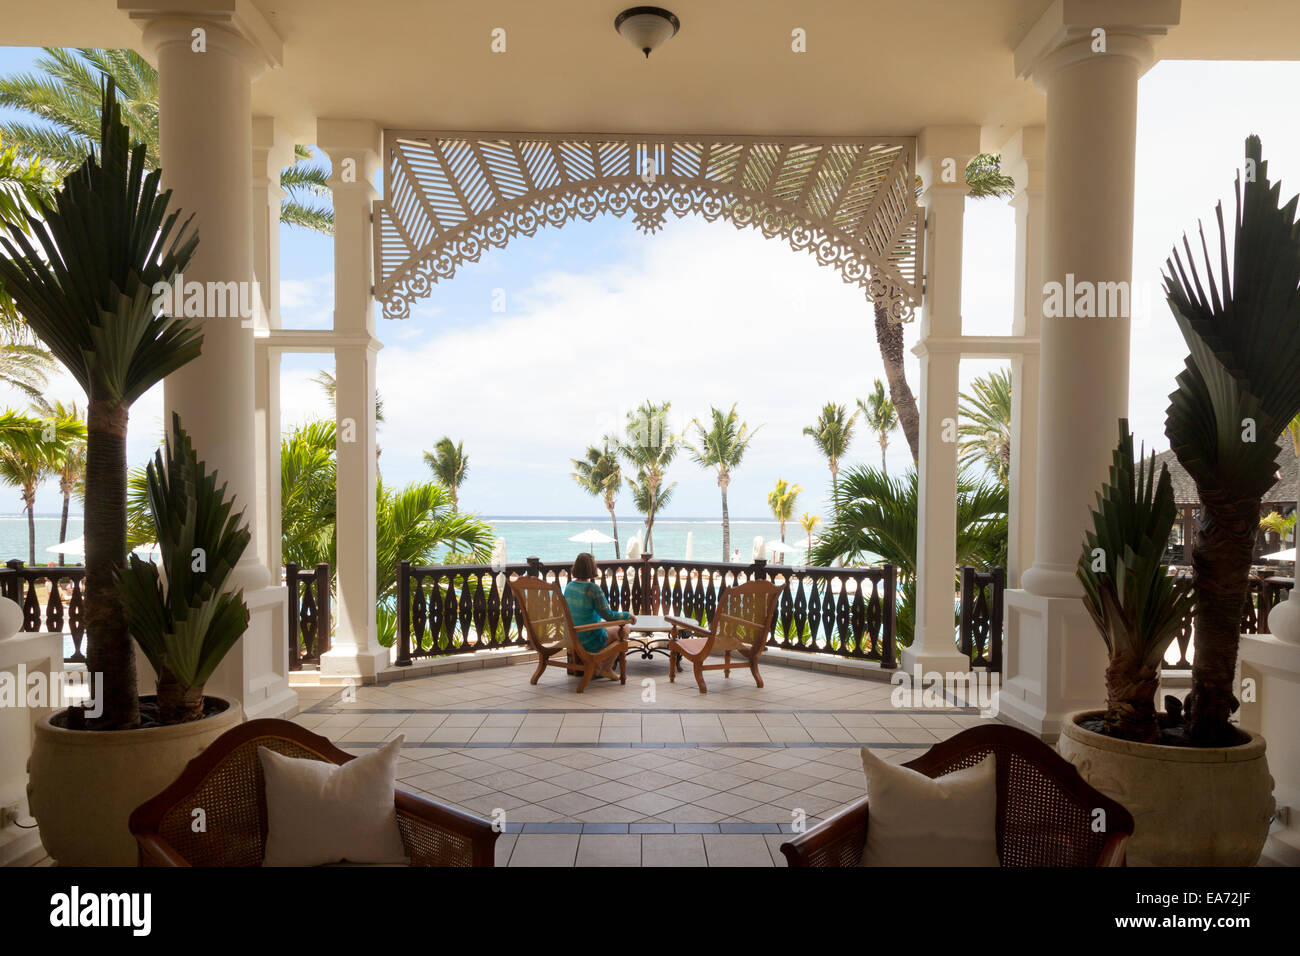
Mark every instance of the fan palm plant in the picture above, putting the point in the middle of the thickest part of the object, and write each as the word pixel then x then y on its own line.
pixel 63 94
pixel 781 500
pixel 1137 606
pixel 182 615
pixel 599 475
pixel 649 446
pixel 984 432
pixel 880 416
pixel 1237 393
pixel 721 446
pixel 84 287
pixel 876 520
pixel 450 465
pixel 832 434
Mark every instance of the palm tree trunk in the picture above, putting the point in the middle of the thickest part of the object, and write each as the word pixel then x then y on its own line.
pixel 109 653
pixel 1225 545
pixel 614 520
pixel 63 522
pixel 890 339
pixel 884 443
pixel 726 527
pixel 29 500
pixel 835 489
pixel 1131 699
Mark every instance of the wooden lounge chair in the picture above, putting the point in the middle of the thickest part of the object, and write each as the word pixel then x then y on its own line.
pixel 1046 811
pixel 550 630
pixel 226 782
pixel 740 625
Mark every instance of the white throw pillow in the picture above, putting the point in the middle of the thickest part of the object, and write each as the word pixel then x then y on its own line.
pixel 915 820
pixel 318 813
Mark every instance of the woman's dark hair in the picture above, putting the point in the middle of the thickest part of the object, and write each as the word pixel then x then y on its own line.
pixel 584 567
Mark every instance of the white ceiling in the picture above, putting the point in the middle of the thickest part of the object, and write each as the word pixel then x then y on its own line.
pixel 871 67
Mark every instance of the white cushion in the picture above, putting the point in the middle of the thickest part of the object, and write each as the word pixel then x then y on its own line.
pixel 319 813
pixel 914 820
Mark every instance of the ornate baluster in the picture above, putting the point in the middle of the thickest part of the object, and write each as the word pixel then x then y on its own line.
pixel 814 615
pixel 474 586
pixel 857 618
pixel 54 607
pixel 493 614
pixel 77 621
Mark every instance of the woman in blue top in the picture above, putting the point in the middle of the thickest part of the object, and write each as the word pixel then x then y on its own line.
pixel 587 605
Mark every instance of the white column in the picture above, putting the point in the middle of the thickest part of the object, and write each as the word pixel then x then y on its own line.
pixel 353 147
pixel 1023 158
pixel 943 153
pixel 206 66
pixel 1055 661
pixel 272 151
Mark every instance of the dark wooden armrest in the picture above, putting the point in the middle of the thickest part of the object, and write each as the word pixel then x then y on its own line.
pixel 435 835
pixel 155 851
pixel 686 624
pixel 838 841
pixel 1115 852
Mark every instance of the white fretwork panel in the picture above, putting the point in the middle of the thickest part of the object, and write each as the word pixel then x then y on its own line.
pixel 449 196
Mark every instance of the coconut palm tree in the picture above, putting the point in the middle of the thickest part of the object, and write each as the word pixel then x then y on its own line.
pixel 84 288
pixel 24 364
pixel 984 429
pixel 648 446
pixel 809 523
pixel 63 94
pixel 26 466
pixel 1235 396
pixel 721 446
pixel 984 180
pixel 781 500
pixel 450 465
pixel 69 460
pixel 876 520
pixel 832 434
pixel 599 475
pixel 880 416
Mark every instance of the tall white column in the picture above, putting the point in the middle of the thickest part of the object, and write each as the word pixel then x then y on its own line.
pixel 1055 661
pixel 943 153
pixel 353 147
pixel 1023 158
pixel 272 151
pixel 206 66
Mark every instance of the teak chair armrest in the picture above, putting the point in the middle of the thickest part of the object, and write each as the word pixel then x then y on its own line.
pixel 154 851
pixel 837 841
pixel 592 627
pixel 686 624
pixel 1115 852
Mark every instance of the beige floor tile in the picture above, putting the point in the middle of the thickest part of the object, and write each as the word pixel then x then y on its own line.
pixel 545 849
pixel 673 849
pixel 609 849
pixel 736 849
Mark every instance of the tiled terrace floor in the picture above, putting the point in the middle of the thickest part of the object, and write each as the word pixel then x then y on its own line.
pixel 641 775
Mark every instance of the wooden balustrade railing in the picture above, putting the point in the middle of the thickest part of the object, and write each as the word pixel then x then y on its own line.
pixel 65 604
pixel 309 613
pixel 980 630
pixel 459 609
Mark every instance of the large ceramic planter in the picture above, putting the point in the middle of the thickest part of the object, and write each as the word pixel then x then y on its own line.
pixel 83 784
pixel 1191 806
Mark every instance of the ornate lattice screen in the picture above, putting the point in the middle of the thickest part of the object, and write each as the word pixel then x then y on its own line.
pixel 449 196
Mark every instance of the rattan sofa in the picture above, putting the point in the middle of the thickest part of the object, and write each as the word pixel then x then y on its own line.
pixel 226 783
pixel 1047 813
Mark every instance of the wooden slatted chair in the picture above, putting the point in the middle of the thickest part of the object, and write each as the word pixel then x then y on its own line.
pixel 1046 811
pixel 549 627
pixel 226 783
pixel 740 625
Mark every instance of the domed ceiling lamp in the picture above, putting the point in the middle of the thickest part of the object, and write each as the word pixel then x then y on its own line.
pixel 646 28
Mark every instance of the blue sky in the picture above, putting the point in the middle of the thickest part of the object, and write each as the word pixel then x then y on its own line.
pixel 599 318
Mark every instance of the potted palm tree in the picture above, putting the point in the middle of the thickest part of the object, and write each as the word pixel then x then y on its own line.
pixel 1236 394
pixel 84 282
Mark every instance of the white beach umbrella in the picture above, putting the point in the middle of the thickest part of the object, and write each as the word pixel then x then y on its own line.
pixel 592 537
pixel 74 546
pixel 1287 555
pixel 778 548
pixel 690 546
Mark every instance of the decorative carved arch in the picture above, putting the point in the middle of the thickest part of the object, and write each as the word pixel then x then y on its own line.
pixel 448 196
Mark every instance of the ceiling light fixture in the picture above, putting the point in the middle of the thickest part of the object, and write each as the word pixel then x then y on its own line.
pixel 646 28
